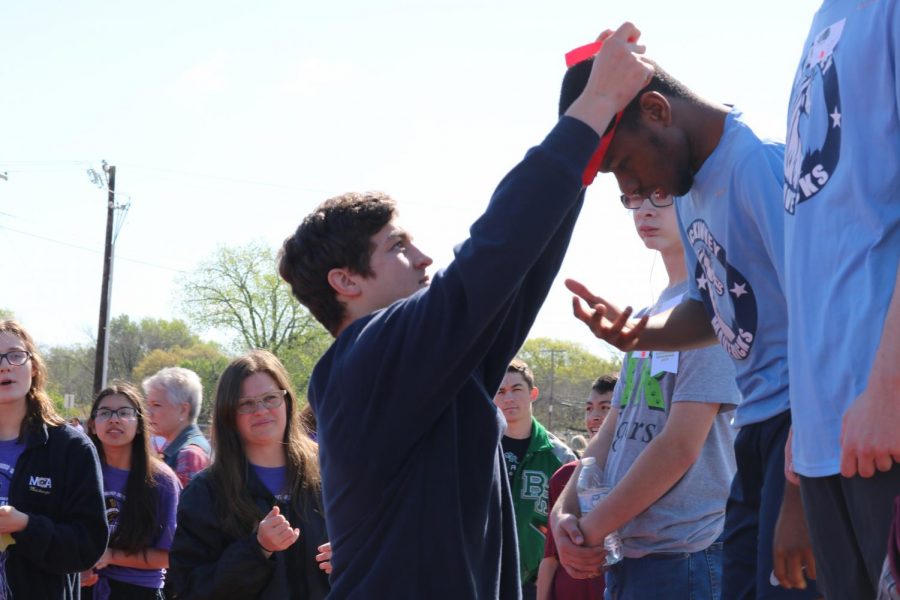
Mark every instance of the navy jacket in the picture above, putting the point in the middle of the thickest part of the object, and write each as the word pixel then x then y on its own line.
pixel 416 495
pixel 58 483
pixel 206 562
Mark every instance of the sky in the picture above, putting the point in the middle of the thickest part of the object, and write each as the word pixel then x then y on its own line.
pixel 229 121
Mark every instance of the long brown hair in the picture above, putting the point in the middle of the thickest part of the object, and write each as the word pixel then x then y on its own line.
pixel 137 522
pixel 39 407
pixel 229 470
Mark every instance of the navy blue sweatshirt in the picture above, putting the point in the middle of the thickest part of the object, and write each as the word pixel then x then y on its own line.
pixel 57 482
pixel 417 501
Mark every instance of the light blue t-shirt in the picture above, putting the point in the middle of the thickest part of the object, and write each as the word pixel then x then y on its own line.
pixel 842 216
pixel 732 226
pixel 691 515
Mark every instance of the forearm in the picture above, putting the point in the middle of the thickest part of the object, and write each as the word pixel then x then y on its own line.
pixel 656 470
pixel 546 572
pixel 685 327
pixel 598 448
pixel 151 558
pixel 886 367
pixel 659 467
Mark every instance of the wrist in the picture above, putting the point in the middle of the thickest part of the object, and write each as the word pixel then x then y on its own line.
pixel 262 546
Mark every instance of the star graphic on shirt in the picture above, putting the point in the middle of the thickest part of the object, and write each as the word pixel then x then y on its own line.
pixel 702 281
pixel 739 290
pixel 836 117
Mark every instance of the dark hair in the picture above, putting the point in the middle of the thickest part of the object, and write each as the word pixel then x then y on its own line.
pixel 137 522
pixel 605 384
pixel 336 235
pixel 308 420
pixel 576 79
pixel 39 409
pixel 234 506
pixel 521 367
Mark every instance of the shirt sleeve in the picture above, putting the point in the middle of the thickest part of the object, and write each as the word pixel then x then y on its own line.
pixel 690 257
pixel 706 375
pixel 190 461
pixel 168 490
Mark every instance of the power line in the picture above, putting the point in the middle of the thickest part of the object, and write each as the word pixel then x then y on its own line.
pixel 91 250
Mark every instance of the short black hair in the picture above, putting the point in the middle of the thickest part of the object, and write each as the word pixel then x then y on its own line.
pixel 576 78
pixel 605 384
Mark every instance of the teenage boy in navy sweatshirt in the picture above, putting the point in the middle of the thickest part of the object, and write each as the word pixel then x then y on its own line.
pixel 417 501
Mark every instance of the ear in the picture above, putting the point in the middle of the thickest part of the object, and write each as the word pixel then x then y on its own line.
pixel 534 393
pixel 344 283
pixel 655 109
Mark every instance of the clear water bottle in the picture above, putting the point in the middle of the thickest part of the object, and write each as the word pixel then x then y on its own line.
pixel 592 488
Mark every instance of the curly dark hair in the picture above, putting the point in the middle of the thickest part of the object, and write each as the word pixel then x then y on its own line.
pixel 335 235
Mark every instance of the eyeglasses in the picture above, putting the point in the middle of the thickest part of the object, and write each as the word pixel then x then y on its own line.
pixel 273 399
pixel 635 201
pixel 16 358
pixel 126 413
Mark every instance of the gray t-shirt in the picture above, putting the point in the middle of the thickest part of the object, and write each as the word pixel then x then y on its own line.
pixel 691 515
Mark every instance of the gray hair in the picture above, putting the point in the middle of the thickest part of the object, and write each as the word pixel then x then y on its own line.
pixel 180 385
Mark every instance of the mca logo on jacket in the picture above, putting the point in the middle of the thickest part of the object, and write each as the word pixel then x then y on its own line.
pixel 40 485
pixel 813 147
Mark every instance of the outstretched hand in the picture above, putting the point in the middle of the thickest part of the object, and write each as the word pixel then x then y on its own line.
pixel 605 320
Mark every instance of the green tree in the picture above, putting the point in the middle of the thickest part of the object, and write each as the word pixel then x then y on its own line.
pixel 238 290
pixel 71 368
pixel 131 341
pixel 71 371
pixel 6 314
pixel 563 372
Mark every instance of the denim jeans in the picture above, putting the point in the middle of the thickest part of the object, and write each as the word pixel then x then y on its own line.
pixel 691 576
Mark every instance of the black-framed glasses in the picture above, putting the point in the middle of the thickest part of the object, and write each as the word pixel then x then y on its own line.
pixel 273 399
pixel 635 201
pixel 16 358
pixel 125 413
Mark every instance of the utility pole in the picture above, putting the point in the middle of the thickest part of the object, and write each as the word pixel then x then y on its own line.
pixel 100 363
pixel 553 352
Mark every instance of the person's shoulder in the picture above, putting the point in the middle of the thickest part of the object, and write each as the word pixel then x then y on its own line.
pixel 199 493
pixel 564 473
pixel 67 436
pixel 560 450
pixel 165 476
pixel 193 450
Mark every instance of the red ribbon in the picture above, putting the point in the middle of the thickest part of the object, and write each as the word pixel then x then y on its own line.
pixel 574 57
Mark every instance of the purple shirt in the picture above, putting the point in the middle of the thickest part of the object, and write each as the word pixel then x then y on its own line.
pixel 167 489
pixel 9 454
pixel 275 480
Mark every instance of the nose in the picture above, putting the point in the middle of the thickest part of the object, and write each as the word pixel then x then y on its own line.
pixel 422 260
pixel 647 208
